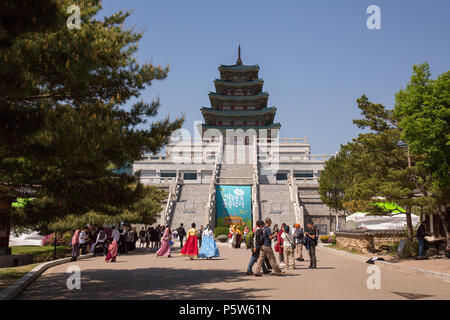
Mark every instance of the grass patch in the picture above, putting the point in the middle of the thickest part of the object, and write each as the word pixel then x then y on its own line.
pixel 42 253
pixel 334 246
pixel 10 275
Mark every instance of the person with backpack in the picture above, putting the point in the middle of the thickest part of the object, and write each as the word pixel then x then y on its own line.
pixel 311 238
pixel 254 242
pixel 298 238
pixel 267 251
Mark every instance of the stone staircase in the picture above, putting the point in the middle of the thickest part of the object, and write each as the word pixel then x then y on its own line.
pixel 276 204
pixel 237 167
pixel 190 206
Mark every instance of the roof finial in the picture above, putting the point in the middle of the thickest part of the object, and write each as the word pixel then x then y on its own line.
pixel 239 61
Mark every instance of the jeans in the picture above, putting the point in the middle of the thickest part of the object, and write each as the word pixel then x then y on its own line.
pixel 421 247
pixel 253 260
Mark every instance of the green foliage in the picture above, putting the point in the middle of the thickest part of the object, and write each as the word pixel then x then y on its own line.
pixel 68 111
pixel 249 239
pixel 221 231
pixel 424 109
pixel 410 250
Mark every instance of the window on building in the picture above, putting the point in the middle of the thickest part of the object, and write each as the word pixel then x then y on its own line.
pixel 281 176
pixel 190 176
pixel 305 174
pixel 168 174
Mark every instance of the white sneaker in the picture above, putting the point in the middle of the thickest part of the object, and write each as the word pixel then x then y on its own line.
pixel 282 265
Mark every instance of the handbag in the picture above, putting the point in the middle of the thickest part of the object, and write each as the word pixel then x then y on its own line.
pixel 293 245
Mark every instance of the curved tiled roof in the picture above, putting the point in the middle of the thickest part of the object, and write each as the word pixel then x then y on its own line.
pixel 239 112
pixel 259 95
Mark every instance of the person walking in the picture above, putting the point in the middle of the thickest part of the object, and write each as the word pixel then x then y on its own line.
pixel 75 245
pixel 255 242
pixel 209 247
pixel 190 248
pixel 181 234
pixel 165 249
pixel 279 246
pixel 142 237
pixel 421 234
pixel 311 237
pixel 288 247
pixel 267 251
pixel 298 239
pixel 200 235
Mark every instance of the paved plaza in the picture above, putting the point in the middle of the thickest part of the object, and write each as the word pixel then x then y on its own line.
pixel 141 275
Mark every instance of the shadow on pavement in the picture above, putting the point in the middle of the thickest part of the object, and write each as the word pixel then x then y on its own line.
pixel 138 284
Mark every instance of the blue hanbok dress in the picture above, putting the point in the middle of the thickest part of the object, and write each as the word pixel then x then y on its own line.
pixel 209 247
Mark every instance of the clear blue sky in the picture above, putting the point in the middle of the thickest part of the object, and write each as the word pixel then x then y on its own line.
pixel 316 57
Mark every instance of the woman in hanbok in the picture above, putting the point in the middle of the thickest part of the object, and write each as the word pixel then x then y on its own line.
pixel 190 248
pixel 209 247
pixel 112 252
pixel 164 251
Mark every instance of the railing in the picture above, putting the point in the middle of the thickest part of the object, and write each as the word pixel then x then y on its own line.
pixel 293 189
pixel 255 202
pixel 282 140
pixel 174 193
pixel 210 208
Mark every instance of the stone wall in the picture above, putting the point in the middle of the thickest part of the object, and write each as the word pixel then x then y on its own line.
pixel 367 241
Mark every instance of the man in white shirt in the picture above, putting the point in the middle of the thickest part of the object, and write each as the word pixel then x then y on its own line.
pixel 288 247
pixel 83 240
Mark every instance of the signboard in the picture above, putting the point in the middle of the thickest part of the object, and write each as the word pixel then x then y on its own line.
pixel 234 206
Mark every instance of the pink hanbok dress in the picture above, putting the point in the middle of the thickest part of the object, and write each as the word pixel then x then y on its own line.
pixel 164 251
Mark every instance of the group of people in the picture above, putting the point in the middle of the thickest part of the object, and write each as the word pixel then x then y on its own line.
pixel 151 238
pixel 106 241
pixel 287 241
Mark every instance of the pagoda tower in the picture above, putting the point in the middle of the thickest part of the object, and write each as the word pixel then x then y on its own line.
pixel 239 102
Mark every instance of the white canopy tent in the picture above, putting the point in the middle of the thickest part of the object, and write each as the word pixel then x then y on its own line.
pixel 395 221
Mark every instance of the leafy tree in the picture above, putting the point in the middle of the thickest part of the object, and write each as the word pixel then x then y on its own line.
pixel 424 109
pixel 373 165
pixel 65 100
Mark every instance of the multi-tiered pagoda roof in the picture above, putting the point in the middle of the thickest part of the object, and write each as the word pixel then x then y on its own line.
pixel 239 101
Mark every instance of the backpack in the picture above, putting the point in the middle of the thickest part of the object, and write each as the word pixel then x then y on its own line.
pixel 259 237
pixel 249 240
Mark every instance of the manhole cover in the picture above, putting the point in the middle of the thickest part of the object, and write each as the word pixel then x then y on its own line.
pixel 412 296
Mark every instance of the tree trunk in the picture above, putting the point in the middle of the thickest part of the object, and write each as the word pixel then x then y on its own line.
pixel 445 221
pixel 409 225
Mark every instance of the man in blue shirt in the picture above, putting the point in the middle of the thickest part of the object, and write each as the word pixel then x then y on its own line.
pixel 267 251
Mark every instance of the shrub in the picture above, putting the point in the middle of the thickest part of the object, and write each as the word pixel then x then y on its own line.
pixel 324 239
pixel 221 231
pixel 410 249
pixel 222 238
pixel 333 239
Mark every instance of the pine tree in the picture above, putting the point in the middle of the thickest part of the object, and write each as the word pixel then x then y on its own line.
pixel 65 99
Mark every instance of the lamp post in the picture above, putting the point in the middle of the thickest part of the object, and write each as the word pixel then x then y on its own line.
pixel 335 194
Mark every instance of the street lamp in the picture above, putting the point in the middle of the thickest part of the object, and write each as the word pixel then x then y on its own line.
pixel 335 194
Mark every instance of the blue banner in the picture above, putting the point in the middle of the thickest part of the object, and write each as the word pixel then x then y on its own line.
pixel 234 206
